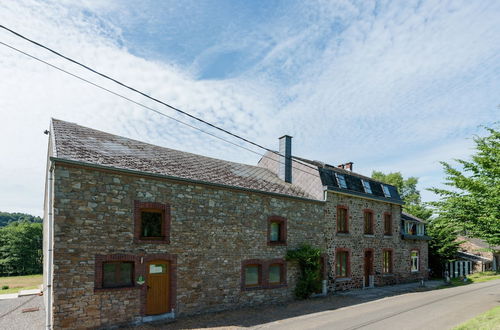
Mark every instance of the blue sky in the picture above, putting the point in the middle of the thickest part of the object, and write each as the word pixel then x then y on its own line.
pixel 389 85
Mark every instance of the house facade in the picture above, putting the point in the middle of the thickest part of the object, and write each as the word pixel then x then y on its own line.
pixel 135 232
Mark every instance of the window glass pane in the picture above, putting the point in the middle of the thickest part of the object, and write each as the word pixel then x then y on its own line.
pixel 386 191
pixel 252 275
pixel 275 274
pixel 342 220
pixel 368 223
pixel 341 264
pixel 157 268
pixel 387 224
pixel 366 186
pixel 109 270
pixel 151 224
pixel 126 269
pixel 341 181
pixel 275 232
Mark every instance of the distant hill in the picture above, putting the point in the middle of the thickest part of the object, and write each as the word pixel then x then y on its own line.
pixel 6 218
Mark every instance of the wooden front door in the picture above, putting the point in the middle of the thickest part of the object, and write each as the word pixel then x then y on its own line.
pixel 158 282
pixel 368 267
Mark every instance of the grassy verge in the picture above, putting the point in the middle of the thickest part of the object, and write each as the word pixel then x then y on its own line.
pixel 486 321
pixel 473 278
pixel 18 283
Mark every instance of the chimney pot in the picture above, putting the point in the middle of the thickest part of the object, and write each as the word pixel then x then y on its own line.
pixel 348 166
pixel 285 159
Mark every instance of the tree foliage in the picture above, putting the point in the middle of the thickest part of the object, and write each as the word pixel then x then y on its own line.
pixel 408 191
pixel 443 246
pixel 6 218
pixel 309 281
pixel 473 202
pixel 21 249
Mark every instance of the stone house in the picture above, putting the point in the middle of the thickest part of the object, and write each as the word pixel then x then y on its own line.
pixel 135 232
pixel 481 256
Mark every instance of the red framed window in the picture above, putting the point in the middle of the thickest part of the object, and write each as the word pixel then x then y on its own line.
pixel 368 222
pixel 342 266
pixel 151 222
pixel 387 261
pixel 117 274
pixel 276 230
pixel 387 224
pixel 342 219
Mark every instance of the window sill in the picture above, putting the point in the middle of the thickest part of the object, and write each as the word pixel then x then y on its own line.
pixel 343 234
pixel 343 279
pixel 388 275
pixel 415 271
pixel 251 288
pixel 278 243
pixel 388 236
pixel 153 240
pixel 276 286
pixel 368 235
pixel 120 288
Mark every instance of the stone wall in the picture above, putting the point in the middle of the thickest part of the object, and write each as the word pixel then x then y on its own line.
pixel 356 243
pixel 212 231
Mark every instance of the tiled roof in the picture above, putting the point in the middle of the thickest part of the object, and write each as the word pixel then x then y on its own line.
pixel 81 144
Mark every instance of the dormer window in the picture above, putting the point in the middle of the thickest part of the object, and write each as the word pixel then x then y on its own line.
pixel 385 188
pixel 366 186
pixel 341 180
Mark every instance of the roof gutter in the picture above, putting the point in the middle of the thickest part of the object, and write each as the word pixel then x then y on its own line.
pixel 174 178
pixel 361 195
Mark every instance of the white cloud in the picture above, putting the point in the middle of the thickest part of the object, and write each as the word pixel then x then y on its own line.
pixel 382 84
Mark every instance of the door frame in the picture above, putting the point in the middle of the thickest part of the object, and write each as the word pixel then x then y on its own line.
pixel 371 270
pixel 171 259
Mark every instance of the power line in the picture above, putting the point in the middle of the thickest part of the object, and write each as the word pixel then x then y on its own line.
pixel 149 97
pixel 157 111
pixel 133 89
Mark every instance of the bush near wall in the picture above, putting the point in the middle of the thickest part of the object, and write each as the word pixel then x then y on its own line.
pixel 21 249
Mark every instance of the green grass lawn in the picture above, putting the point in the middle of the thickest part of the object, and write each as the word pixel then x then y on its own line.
pixel 18 283
pixel 486 321
pixel 473 278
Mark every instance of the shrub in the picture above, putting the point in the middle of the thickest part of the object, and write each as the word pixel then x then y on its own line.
pixel 308 258
pixel 5 287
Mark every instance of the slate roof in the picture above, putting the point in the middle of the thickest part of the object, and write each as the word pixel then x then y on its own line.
pixel 408 216
pixel 353 182
pixel 85 145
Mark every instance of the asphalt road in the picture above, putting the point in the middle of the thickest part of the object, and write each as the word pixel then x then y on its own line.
pixel 437 309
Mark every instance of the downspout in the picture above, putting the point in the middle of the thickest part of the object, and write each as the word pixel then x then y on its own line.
pixel 50 247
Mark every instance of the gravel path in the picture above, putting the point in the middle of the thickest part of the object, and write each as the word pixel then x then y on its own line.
pixel 12 317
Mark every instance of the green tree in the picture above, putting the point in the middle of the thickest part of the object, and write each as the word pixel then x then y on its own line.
pixel 409 193
pixel 444 244
pixel 6 218
pixel 473 202
pixel 21 248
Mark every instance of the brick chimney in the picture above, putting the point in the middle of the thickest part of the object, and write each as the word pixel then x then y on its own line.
pixel 285 165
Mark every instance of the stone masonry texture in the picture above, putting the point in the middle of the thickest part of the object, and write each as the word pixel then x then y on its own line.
pixel 212 231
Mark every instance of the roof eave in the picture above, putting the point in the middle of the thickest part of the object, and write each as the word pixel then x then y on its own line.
pixel 363 195
pixel 174 178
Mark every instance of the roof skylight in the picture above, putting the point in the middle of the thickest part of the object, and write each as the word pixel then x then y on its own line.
pixel 366 186
pixel 385 188
pixel 341 180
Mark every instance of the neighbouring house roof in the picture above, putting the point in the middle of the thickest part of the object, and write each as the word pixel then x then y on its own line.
pixel 314 177
pixel 80 144
pixel 478 242
pixel 473 257
pixel 409 217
